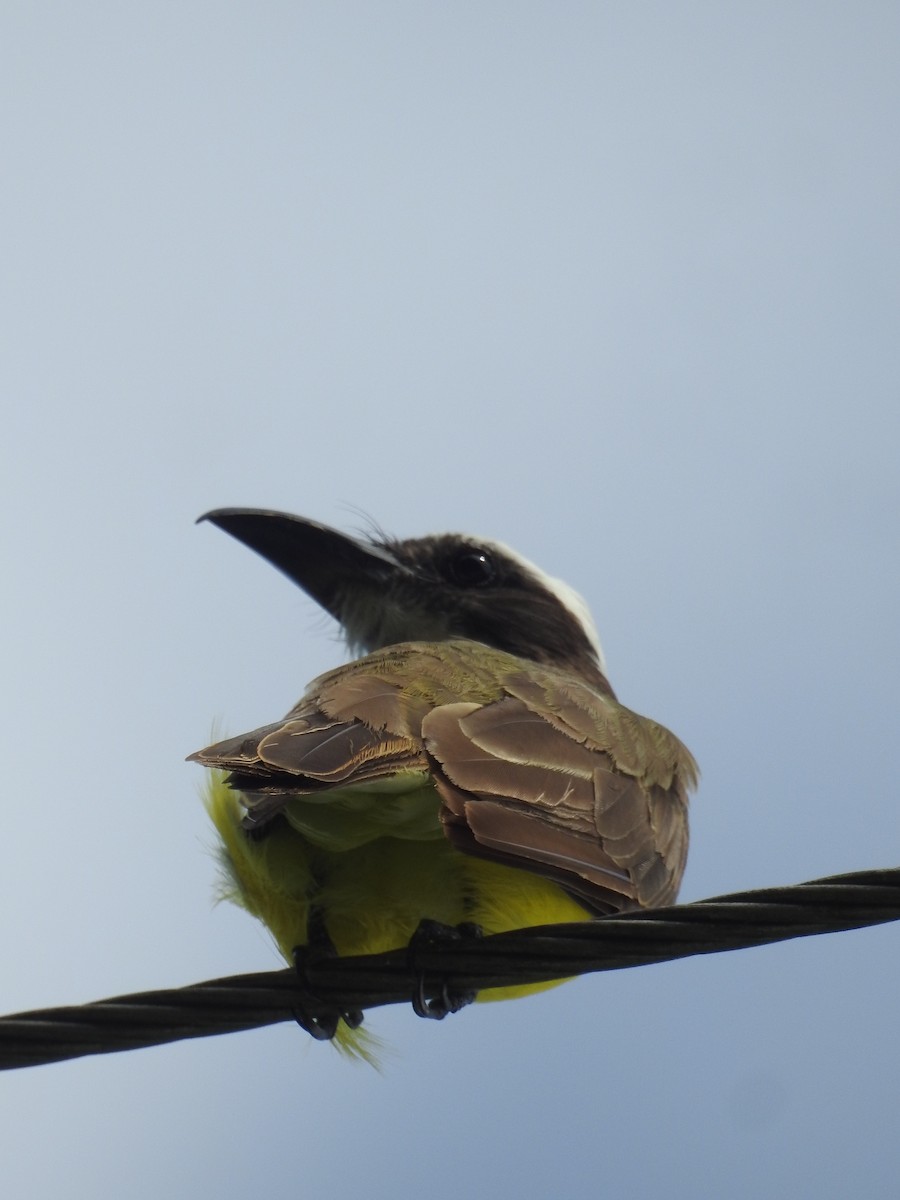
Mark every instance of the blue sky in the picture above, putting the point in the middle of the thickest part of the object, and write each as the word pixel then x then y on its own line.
pixel 614 283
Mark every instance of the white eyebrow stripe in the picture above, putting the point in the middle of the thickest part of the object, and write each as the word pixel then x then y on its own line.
pixel 571 600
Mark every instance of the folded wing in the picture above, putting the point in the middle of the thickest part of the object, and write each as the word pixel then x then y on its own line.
pixel 521 786
pixel 536 770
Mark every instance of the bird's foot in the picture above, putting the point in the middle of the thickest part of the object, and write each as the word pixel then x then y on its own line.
pixel 319 1018
pixel 431 934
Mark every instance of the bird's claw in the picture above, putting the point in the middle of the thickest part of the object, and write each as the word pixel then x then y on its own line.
pixel 316 1016
pixel 447 1000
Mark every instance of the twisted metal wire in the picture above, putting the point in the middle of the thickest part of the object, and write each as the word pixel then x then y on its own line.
pixel 732 922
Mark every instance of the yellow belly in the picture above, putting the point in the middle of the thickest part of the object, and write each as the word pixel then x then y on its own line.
pixel 373 888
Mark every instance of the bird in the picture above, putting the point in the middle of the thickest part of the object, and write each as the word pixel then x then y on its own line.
pixel 470 768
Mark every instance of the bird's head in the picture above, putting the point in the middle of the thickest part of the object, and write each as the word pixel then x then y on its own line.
pixel 384 591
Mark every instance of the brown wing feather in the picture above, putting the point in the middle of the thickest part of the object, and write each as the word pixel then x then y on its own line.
pixel 315 752
pixel 519 786
pixel 310 751
pixel 533 768
pixel 330 753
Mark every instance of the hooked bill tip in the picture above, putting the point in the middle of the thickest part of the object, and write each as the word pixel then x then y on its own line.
pixel 217 515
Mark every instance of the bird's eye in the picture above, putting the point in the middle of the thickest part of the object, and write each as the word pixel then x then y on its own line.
pixel 471 568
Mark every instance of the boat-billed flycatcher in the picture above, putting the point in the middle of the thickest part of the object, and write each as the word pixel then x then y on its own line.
pixel 473 766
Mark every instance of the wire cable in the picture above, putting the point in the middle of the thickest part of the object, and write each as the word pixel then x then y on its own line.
pixel 458 963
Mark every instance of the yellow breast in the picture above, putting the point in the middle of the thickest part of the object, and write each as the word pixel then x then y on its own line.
pixel 374 866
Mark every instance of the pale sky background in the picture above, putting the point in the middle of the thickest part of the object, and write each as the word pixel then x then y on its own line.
pixel 616 283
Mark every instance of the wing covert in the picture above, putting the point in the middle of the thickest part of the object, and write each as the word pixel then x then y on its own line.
pixel 533 768
pixel 538 789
